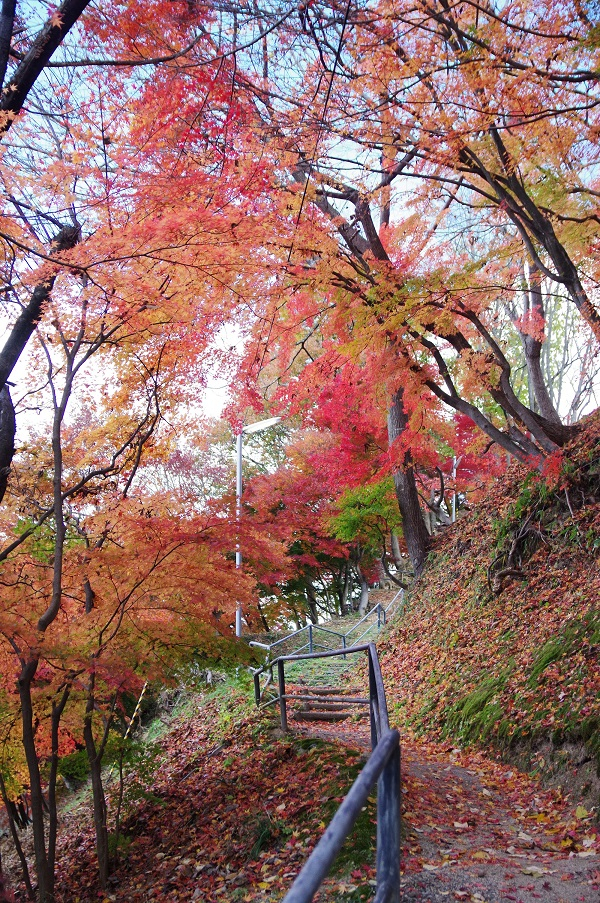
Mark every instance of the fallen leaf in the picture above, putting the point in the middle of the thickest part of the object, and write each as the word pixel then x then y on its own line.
pixel 534 871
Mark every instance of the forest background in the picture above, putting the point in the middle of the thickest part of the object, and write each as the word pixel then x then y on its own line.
pixel 378 222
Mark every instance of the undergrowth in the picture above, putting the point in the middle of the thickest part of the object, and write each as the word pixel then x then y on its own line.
pixel 499 645
pixel 221 782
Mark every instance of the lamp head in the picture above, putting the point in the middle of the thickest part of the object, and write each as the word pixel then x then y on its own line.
pixel 260 425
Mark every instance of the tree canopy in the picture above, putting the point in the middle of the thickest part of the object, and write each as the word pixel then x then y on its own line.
pixel 377 222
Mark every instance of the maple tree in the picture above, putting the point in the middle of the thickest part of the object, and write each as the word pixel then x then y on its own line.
pixel 104 581
pixel 368 517
pixel 290 504
pixel 103 106
pixel 459 106
pixel 249 170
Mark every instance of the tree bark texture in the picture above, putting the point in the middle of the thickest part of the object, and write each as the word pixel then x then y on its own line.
pixel 8 427
pixel 533 350
pixel 415 534
pixel 29 317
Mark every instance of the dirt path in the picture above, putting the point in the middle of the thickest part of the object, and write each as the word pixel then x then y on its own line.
pixel 477 830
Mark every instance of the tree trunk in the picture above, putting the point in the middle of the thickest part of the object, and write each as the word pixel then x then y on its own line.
pixel 57 710
pixel 261 613
pixel 26 322
pixel 346 589
pixel 99 800
pixel 364 591
pixel 397 580
pixel 33 63
pixel 16 841
pixel 7 437
pixel 45 875
pixel 311 601
pixel 533 349
pixel 396 553
pixel 415 534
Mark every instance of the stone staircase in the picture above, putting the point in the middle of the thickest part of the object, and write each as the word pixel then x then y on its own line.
pixel 328 688
pixel 333 687
pixel 331 704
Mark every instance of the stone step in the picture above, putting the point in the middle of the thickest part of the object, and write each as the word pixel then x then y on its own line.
pixel 324 701
pixel 332 691
pixel 323 716
pixel 324 706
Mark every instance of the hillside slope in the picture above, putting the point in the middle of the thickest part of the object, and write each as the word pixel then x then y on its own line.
pixel 499 646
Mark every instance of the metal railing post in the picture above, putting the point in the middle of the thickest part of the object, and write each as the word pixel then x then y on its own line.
pixel 382 769
pixel 257 688
pixel 343 647
pixel 310 639
pixel 378 616
pixel 373 705
pixel 388 827
pixel 282 704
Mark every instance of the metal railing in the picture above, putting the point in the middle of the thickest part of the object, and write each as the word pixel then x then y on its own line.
pixel 313 630
pixel 382 768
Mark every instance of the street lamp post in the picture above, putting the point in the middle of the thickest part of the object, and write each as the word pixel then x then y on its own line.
pixel 247 430
pixel 455 462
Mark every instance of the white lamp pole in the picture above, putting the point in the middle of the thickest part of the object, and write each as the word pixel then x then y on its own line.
pixel 455 462
pixel 251 428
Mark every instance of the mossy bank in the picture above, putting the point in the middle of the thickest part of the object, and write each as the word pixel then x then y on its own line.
pixel 499 643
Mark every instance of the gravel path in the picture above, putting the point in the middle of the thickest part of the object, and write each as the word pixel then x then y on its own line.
pixel 477 830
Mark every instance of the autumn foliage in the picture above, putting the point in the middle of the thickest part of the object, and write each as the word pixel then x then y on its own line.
pixel 510 662
pixel 379 224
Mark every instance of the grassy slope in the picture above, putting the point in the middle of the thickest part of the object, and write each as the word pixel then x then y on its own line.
pixel 516 670
pixel 228 809
pixel 225 811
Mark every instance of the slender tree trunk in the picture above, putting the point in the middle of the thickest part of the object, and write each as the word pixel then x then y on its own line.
pixel 296 615
pixel 346 600
pixel 45 875
pixel 397 580
pixel 413 526
pixel 311 601
pixel 16 842
pixel 261 613
pixel 115 861
pixel 364 596
pixel 7 437
pixel 396 553
pixel 532 347
pixel 57 710
pixel 99 799
pixel 364 590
